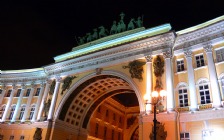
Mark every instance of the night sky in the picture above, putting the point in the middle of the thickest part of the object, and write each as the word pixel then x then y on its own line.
pixel 32 33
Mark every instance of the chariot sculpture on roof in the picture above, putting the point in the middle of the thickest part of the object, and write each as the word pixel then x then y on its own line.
pixel 117 27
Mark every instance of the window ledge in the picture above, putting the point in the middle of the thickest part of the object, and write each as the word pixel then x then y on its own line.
pixel 202 67
pixel 180 72
pixel 218 63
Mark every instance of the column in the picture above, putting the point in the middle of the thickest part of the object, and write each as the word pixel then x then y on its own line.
pixel 48 83
pixel 18 103
pixel 28 103
pixel 169 81
pixel 9 102
pixel 149 80
pixel 191 81
pixel 54 98
pixel 216 96
pixel 38 103
pixel 3 93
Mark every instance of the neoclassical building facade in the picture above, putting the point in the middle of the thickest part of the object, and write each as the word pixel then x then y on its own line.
pixel 96 91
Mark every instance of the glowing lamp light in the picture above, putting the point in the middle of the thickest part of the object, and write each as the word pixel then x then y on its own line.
pixel 147 96
pixel 155 94
pixel 163 93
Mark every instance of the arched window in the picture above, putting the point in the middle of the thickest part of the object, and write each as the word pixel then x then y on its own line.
pixel 12 111
pixel 204 93
pixel 32 112
pixel 2 110
pixel 182 95
pixel 22 110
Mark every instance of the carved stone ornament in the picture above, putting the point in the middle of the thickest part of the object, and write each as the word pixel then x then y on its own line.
pixel 148 58
pixel 208 48
pixel 130 121
pixel 167 54
pixel 98 71
pixel 47 107
pixel 37 134
pixel 188 53
pixel 67 83
pixel 161 134
pixel 158 66
pixel 136 69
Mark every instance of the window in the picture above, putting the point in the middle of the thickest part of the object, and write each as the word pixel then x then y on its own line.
pixel 220 55
pixel 8 93
pixel 120 120
pixel 184 136
pixel 96 129
pixel 114 116
pixel 22 112
pixel 99 109
pixel 105 132
pixel 222 83
pixel 11 138
pixel 31 112
pixel 18 92
pixel 37 92
pixel 28 92
pixel 107 113
pixel 12 112
pixel 112 135
pixel 1 137
pixel 180 65
pixel 119 135
pixel 183 97
pixel 22 137
pixel 204 94
pixel 0 91
pixel 199 60
pixel 2 112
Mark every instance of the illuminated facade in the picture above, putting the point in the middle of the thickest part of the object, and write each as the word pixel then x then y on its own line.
pixel 89 93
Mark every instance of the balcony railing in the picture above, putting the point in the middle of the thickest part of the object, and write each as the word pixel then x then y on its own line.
pixel 183 109
pixel 205 106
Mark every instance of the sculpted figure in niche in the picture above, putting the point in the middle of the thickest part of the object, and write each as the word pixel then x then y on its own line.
pixel 37 134
pixel 131 24
pixel 113 29
pixel 47 107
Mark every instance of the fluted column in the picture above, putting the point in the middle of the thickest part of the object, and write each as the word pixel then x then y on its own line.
pixel 169 81
pixel 54 98
pixel 3 93
pixel 18 103
pixel 48 83
pixel 148 80
pixel 38 103
pixel 191 81
pixel 9 102
pixel 28 103
pixel 216 96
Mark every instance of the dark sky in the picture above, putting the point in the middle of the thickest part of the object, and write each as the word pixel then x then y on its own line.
pixel 32 33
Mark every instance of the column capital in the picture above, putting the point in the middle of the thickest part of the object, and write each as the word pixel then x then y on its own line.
pixel 58 79
pixel 167 54
pixel 4 86
pixel 188 53
pixel 23 86
pixel 208 48
pixel 148 58
pixel 14 86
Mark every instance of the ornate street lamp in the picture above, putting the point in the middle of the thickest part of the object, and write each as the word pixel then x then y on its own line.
pixel 157 97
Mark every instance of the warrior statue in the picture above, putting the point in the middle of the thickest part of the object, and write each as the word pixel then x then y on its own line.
pixel 113 29
pixel 81 40
pixel 123 26
pixel 89 37
pixel 131 24
pixel 102 32
pixel 139 22
pixel 95 34
pixel 118 27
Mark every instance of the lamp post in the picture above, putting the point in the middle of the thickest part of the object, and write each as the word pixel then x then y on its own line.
pixel 157 97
